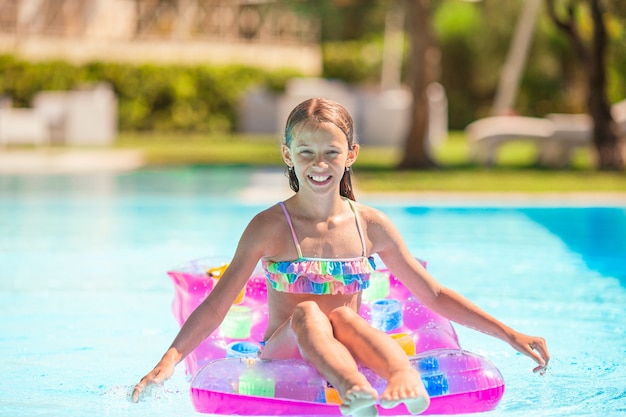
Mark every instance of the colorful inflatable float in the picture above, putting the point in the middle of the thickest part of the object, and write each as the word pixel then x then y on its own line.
pixel 229 379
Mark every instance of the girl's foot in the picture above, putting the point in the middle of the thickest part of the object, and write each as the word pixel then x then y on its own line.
pixel 360 401
pixel 406 387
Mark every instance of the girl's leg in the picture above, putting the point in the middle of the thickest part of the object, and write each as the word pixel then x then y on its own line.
pixel 312 331
pixel 384 356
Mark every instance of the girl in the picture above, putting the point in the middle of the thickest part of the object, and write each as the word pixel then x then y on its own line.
pixel 316 250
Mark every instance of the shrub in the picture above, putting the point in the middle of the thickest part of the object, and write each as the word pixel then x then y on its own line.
pixel 198 98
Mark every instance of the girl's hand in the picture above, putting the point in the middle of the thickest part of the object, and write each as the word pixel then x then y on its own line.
pixel 533 347
pixel 162 371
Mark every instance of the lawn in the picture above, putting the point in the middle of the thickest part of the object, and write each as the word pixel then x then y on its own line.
pixel 515 170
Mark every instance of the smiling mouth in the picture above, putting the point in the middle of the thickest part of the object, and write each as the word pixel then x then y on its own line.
pixel 320 179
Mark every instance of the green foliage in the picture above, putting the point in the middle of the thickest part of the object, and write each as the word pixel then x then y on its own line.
pixel 353 61
pixel 617 59
pixel 474 39
pixel 151 97
pixel 344 20
pixel 455 21
pixel 457 26
pixel 22 80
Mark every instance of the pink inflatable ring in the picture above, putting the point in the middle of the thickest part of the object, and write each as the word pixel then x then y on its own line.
pixel 229 379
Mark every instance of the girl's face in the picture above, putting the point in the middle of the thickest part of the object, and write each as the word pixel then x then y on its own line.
pixel 319 155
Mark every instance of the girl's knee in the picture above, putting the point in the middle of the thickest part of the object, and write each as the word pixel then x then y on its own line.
pixel 305 309
pixel 306 313
pixel 346 323
pixel 343 314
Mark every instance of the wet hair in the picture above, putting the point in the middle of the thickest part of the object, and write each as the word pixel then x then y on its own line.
pixel 318 111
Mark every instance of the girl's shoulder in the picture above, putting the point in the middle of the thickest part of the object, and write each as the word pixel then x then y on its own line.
pixel 269 217
pixel 265 231
pixel 371 214
pixel 379 228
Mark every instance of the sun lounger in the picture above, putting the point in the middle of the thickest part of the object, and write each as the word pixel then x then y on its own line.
pixel 570 131
pixel 556 135
pixel 22 126
pixel 488 134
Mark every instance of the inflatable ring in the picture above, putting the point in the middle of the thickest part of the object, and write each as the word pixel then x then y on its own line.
pixel 228 378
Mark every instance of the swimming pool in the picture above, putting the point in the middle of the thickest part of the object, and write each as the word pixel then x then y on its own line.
pixel 85 302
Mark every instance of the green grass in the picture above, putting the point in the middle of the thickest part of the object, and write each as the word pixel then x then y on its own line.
pixel 195 149
pixel 515 170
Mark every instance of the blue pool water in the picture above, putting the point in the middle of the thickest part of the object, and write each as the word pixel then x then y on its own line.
pixel 85 302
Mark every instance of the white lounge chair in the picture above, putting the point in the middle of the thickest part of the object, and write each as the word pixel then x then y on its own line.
pixel 488 134
pixel 556 135
pixel 22 126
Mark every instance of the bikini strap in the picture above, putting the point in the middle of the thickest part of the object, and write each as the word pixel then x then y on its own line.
pixel 358 226
pixel 297 242
pixel 293 232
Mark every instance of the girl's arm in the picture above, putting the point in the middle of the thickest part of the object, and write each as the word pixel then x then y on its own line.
pixel 388 243
pixel 210 313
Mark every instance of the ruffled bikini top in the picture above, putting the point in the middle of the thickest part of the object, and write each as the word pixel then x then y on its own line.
pixel 320 275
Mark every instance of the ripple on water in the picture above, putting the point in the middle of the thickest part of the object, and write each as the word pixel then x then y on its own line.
pixel 168 398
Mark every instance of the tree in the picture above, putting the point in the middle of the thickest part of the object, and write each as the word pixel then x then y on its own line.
pixel 592 56
pixel 423 70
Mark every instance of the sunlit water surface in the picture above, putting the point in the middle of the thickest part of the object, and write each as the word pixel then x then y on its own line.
pixel 85 302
